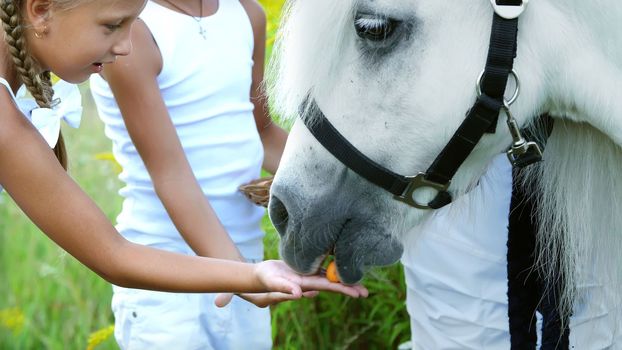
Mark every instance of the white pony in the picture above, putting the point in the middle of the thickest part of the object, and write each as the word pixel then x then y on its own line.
pixel 398 98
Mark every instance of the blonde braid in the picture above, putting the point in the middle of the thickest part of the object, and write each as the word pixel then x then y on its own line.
pixel 38 84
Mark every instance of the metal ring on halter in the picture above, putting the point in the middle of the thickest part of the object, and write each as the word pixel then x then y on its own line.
pixel 516 92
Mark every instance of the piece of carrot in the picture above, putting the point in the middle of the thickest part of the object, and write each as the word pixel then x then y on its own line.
pixel 331 272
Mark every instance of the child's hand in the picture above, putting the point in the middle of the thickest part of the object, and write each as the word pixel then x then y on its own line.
pixel 271 272
pixel 261 299
pixel 285 284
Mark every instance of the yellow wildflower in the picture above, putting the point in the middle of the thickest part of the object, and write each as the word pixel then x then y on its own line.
pixel 99 337
pixel 12 318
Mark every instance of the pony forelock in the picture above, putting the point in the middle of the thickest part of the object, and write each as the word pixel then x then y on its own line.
pixel 312 33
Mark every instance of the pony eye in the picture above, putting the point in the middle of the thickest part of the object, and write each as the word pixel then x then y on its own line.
pixel 374 28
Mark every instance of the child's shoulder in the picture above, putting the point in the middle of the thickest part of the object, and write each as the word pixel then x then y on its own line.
pixel 255 11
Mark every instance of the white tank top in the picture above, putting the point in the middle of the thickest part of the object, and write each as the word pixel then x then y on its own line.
pixel 205 84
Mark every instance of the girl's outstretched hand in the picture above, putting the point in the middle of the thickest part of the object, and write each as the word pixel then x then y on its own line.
pixel 285 284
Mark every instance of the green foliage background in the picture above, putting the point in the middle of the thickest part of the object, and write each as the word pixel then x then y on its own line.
pixel 50 301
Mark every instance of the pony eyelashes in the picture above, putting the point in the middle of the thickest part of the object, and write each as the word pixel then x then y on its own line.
pixel 370 23
pixel 377 28
pixel 373 28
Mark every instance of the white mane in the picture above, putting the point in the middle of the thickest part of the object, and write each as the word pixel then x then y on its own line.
pixel 579 190
pixel 317 31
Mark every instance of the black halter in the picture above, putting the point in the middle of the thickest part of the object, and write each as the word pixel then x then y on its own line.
pixel 480 119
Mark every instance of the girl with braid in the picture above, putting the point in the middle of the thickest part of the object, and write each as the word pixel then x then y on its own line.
pixel 74 39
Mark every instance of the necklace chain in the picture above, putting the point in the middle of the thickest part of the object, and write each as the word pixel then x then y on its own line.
pixel 196 18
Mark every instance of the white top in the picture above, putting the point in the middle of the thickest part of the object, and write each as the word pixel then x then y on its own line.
pixel 205 84
pixel 456 275
pixel 7 86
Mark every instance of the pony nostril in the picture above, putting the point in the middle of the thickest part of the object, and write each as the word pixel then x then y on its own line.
pixel 278 215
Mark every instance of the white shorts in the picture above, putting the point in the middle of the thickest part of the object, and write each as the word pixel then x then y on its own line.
pixel 159 320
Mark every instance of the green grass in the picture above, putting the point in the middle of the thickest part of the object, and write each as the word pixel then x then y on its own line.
pixel 50 301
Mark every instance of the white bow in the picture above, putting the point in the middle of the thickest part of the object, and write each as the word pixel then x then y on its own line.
pixel 67 106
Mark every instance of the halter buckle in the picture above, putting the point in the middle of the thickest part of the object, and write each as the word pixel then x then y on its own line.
pixel 522 152
pixel 417 182
pixel 509 11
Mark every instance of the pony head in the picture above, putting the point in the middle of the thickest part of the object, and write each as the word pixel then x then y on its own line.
pixel 396 78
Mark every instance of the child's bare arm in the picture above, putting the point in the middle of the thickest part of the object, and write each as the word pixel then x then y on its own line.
pixel 53 201
pixel 273 137
pixel 133 81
